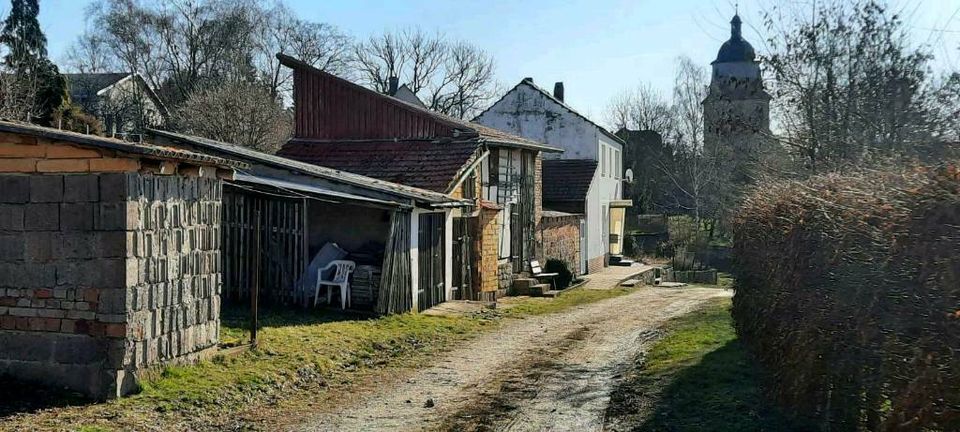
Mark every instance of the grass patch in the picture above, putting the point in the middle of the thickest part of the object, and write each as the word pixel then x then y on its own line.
pixel 301 354
pixel 696 378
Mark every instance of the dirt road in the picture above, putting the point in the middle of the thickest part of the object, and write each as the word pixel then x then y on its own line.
pixel 552 372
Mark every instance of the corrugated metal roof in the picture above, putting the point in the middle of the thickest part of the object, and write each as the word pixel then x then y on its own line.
pixel 143 149
pixel 421 195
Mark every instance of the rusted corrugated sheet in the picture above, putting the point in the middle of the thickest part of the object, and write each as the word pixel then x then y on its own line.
pixel 330 108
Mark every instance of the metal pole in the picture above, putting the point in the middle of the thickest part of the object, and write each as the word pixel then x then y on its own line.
pixel 255 291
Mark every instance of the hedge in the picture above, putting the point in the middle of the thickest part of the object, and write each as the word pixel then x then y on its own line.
pixel 848 294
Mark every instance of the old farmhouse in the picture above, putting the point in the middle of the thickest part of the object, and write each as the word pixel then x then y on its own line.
pixel 341 125
pixel 585 179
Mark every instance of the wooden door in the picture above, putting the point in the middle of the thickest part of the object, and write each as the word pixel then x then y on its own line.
pixel 430 288
pixel 463 258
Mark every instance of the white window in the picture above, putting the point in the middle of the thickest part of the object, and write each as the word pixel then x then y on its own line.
pixel 616 164
pixel 603 160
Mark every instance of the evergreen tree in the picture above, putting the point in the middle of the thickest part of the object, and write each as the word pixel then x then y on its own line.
pixel 38 89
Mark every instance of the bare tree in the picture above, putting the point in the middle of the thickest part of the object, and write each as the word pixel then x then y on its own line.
pixel 241 113
pixel 642 108
pixel 452 78
pixel 849 85
pixel 319 44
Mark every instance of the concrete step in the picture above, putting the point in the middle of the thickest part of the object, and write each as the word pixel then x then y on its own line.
pixel 630 282
pixel 552 293
pixel 538 290
pixel 522 286
pixel 623 262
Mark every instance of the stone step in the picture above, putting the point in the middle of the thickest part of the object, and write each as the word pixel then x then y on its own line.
pixel 538 290
pixel 630 282
pixel 522 286
pixel 552 293
pixel 624 262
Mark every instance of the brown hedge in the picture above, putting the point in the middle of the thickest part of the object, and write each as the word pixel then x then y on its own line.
pixel 848 293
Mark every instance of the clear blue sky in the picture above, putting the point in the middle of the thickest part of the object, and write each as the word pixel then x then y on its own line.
pixel 596 47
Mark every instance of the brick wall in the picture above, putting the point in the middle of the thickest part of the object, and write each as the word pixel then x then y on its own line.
pixel 560 237
pixel 595 265
pixel 103 272
pixel 488 251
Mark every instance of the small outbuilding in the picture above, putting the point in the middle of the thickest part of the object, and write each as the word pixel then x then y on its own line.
pixel 109 257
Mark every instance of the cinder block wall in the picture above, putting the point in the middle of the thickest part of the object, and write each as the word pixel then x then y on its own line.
pixel 560 236
pixel 102 273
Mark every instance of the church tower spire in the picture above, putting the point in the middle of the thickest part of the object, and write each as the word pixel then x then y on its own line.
pixel 736 111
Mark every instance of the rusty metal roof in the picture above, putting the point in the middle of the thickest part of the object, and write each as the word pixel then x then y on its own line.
pixel 142 149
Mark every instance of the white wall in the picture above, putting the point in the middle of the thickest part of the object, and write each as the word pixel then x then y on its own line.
pixel 605 188
pixel 527 112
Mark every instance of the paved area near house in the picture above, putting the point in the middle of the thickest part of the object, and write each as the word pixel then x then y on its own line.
pixel 552 372
pixel 611 276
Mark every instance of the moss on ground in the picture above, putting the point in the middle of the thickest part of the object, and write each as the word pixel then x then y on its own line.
pixel 697 377
pixel 300 354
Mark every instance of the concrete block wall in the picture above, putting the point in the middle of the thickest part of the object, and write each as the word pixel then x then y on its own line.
pixel 173 298
pixel 560 237
pixel 102 272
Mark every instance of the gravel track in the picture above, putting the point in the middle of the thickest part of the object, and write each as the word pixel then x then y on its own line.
pixel 550 372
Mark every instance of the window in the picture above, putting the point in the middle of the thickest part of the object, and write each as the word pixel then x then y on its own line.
pixel 616 164
pixel 603 160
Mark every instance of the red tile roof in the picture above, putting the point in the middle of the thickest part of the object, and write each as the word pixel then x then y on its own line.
pixel 427 165
pixel 567 179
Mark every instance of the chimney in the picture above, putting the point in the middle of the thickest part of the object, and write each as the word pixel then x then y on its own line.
pixel 394 84
pixel 558 91
pixel 528 79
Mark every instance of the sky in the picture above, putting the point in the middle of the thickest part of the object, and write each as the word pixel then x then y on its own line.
pixel 598 48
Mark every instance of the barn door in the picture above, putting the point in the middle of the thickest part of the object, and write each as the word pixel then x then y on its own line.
pixel 463 258
pixel 430 289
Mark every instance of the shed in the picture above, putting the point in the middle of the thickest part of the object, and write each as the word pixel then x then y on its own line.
pixel 109 257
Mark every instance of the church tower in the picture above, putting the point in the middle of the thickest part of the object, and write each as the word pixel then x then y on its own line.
pixel 736 111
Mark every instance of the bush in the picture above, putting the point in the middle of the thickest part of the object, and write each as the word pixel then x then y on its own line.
pixel 564 276
pixel 848 292
pixel 73 118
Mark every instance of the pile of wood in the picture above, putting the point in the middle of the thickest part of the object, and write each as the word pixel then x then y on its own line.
pixel 365 286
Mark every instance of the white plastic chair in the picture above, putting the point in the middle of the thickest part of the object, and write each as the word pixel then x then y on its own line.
pixel 341 278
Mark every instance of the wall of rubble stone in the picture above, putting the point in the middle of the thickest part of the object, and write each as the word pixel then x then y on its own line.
pixel 560 237
pixel 102 274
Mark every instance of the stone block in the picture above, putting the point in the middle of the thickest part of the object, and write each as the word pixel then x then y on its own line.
pixel 81 188
pixel 11 248
pixel 52 313
pixel 28 275
pixel 76 216
pixel 23 312
pixel 114 165
pixel 77 349
pixel 110 216
pixel 21 165
pixel 11 216
pixel 8 150
pixel 14 188
pixel 39 246
pixel 113 244
pixel 25 346
pixel 77 245
pixel 63 165
pixel 42 217
pixel 46 188
pixel 113 187
pixel 81 315
pixel 70 152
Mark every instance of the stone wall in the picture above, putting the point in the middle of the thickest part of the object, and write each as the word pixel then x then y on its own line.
pixel 487 249
pixel 102 273
pixel 560 236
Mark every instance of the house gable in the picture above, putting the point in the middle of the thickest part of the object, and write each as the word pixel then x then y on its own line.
pixel 531 112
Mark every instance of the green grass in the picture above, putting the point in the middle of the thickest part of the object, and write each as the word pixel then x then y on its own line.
pixel 300 354
pixel 697 378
